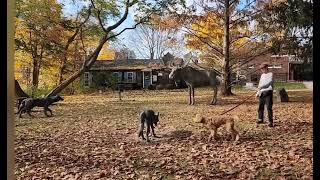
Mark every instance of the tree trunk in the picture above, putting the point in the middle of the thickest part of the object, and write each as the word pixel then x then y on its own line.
pixel 62 68
pixel 88 62
pixel 18 90
pixel 35 72
pixel 226 73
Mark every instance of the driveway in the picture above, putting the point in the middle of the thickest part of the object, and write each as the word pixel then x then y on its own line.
pixel 308 84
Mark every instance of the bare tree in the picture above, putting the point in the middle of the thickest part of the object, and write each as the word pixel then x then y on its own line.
pixel 124 53
pixel 152 41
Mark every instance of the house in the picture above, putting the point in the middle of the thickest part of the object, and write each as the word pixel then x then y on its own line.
pixel 284 67
pixel 132 73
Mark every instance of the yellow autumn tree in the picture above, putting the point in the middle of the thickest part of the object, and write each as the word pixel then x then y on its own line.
pixel 37 29
pixel 206 35
pixel 105 54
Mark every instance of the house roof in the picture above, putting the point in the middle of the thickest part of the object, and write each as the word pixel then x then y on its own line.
pixel 128 64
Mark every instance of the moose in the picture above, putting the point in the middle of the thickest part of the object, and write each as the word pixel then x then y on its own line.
pixel 195 77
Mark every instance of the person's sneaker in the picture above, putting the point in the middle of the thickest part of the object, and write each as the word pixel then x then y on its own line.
pixel 270 125
pixel 259 121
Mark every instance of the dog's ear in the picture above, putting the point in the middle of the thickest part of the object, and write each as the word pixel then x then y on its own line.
pixel 158 114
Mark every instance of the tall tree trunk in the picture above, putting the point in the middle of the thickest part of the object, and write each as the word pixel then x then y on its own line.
pixel 226 73
pixel 88 62
pixel 35 72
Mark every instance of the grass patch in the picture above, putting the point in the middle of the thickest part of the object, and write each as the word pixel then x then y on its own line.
pixel 277 85
pixel 237 87
pixel 289 85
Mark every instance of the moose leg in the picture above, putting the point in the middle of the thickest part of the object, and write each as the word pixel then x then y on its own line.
pixel 192 89
pixel 189 89
pixel 214 98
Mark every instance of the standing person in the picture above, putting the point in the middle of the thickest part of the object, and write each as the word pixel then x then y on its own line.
pixel 265 94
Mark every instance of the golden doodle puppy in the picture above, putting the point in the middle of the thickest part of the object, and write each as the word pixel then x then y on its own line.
pixel 214 122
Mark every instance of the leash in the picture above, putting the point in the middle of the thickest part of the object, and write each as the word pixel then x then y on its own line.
pixel 237 105
pixel 243 100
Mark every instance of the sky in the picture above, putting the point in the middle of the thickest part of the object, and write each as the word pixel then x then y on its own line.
pixel 70 9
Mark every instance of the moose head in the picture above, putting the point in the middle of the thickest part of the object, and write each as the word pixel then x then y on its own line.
pixel 177 68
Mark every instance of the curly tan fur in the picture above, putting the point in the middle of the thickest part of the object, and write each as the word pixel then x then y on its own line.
pixel 214 122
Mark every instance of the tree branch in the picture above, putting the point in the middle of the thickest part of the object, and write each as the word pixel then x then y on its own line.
pixel 237 21
pixel 71 39
pixel 98 16
pixel 246 6
pixel 123 30
pixel 123 18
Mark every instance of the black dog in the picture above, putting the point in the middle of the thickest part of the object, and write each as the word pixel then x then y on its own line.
pixel 19 100
pixel 29 103
pixel 148 116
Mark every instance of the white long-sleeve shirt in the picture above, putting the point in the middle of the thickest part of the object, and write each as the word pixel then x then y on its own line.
pixel 265 79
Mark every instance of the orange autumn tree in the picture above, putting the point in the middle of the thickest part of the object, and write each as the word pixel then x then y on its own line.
pixel 226 36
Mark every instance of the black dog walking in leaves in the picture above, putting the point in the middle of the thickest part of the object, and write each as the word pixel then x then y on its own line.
pixel 29 103
pixel 149 118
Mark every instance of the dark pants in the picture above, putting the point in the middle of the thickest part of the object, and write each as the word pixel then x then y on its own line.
pixel 265 99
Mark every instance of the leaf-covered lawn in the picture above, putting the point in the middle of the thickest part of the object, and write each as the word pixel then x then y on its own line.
pixel 95 136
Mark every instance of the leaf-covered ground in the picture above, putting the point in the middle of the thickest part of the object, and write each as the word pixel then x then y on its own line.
pixel 95 137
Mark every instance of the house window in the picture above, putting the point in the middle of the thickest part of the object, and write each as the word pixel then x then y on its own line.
pixel 154 78
pixel 86 81
pixel 130 76
pixel 117 75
